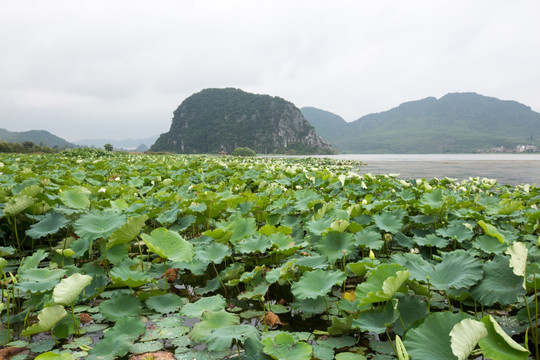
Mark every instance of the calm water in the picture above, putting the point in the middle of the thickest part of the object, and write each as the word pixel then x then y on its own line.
pixel 506 168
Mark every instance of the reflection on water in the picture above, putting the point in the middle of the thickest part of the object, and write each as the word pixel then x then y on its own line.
pixel 506 168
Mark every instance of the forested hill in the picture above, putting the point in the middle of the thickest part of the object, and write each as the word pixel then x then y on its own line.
pixel 38 137
pixel 457 122
pixel 216 120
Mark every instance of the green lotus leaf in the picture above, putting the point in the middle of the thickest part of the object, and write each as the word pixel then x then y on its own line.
pixel 432 201
pixel 518 258
pixel 253 245
pixel 49 355
pixel 255 292
pixel 50 224
pixel 319 226
pixel 340 225
pixel 492 231
pixel 431 340
pixel 47 318
pixel 119 307
pixel 95 225
pixel 497 345
pixel 33 260
pixel 242 228
pixel 412 309
pixel 349 356
pixel 3 264
pixel 335 245
pixel 210 321
pixel 32 190
pixel 198 207
pixel 168 245
pixel 41 274
pixel 313 284
pixel 222 338
pixel 220 235
pixel 499 285
pixel 465 336
pixel 377 319
pixel 69 288
pixel 75 198
pixel 382 284
pixel 127 232
pixel 164 304
pixel 489 244
pixel 18 204
pixel 283 347
pixel 457 231
pixel 122 275
pixel 431 240
pixel 110 348
pixel 36 287
pixel 322 352
pixel 215 252
pixel 210 303
pixel 388 221
pixel 367 238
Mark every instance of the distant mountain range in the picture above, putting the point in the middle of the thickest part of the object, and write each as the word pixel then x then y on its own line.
pixel 38 137
pixel 455 123
pixel 128 144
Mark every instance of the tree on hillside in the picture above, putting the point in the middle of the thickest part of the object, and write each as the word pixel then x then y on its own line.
pixel 108 147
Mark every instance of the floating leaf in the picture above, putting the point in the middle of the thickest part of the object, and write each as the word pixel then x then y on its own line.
pixel 168 245
pixel 313 284
pixel 210 303
pixel 283 347
pixel 222 338
pixel 69 289
pixel 210 321
pixel 164 304
pixel 119 307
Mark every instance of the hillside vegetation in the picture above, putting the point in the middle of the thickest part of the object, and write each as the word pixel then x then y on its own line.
pixel 458 122
pixel 216 120
pixel 38 137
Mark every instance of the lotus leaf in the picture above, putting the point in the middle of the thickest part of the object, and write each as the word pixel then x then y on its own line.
pixel 242 228
pixel 465 336
pixel 69 289
pixel 434 331
pixel 335 245
pixel 283 347
pixel 210 303
pixel 367 238
pixel 110 348
pixel 210 321
pixel 319 226
pixel 18 204
pixel 432 201
pixel 388 221
pixel 412 309
pixel 215 252
pixel 33 260
pixel 50 224
pixel 499 285
pixel 497 345
pixel 49 355
pixel 489 244
pixel 164 304
pixel 222 338
pixel 518 258
pixel 119 307
pixel 382 285
pixel 431 240
pixel 95 225
pixel 349 356
pixel 47 318
pixel 313 284
pixel 122 275
pixel 127 232
pixel 457 231
pixel 377 319
pixel 168 245
pixel 253 245
pixel 75 198
pixel 492 231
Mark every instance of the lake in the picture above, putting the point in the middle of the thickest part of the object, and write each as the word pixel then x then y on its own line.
pixel 512 169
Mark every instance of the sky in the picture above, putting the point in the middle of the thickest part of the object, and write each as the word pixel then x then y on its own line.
pixel 118 68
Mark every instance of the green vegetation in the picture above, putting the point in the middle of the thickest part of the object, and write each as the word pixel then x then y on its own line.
pixel 42 137
pixel 455 123
pixel 108 147
pixel 252 258
pixel 216 120
pixel 243 151
pixel 26 147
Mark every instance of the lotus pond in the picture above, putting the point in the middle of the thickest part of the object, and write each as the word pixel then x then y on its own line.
pixel 194 257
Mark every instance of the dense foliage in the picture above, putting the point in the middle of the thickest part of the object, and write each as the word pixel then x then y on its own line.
pixel 243 151
pixel 42 137
pixel 215 120
pixel 460 122
pixel 227 257
pixel 26 147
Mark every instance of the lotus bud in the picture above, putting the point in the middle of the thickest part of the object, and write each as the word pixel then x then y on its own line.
pixel 371 254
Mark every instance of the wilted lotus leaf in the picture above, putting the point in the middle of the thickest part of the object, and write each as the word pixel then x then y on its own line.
pixel 271 319
pixel 169 245
pixel 313 284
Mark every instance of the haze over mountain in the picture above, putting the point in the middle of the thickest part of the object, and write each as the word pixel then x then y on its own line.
pixel 457 122
pixel 215 120
pixel 117 144
pixel 38 137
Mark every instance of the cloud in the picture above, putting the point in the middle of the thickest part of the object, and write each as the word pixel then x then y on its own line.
pixel 119 69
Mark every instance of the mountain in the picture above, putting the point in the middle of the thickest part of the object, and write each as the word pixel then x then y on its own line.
pixel 215 120
pixel 38 137
pixel 328 125
pixel 119 144
pixel 455 123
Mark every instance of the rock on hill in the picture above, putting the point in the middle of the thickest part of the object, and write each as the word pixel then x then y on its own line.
pixel 455 123
pixel 216 120
pixel 36 136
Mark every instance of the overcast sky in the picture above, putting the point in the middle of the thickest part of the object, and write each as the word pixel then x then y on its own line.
pixel 119 68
